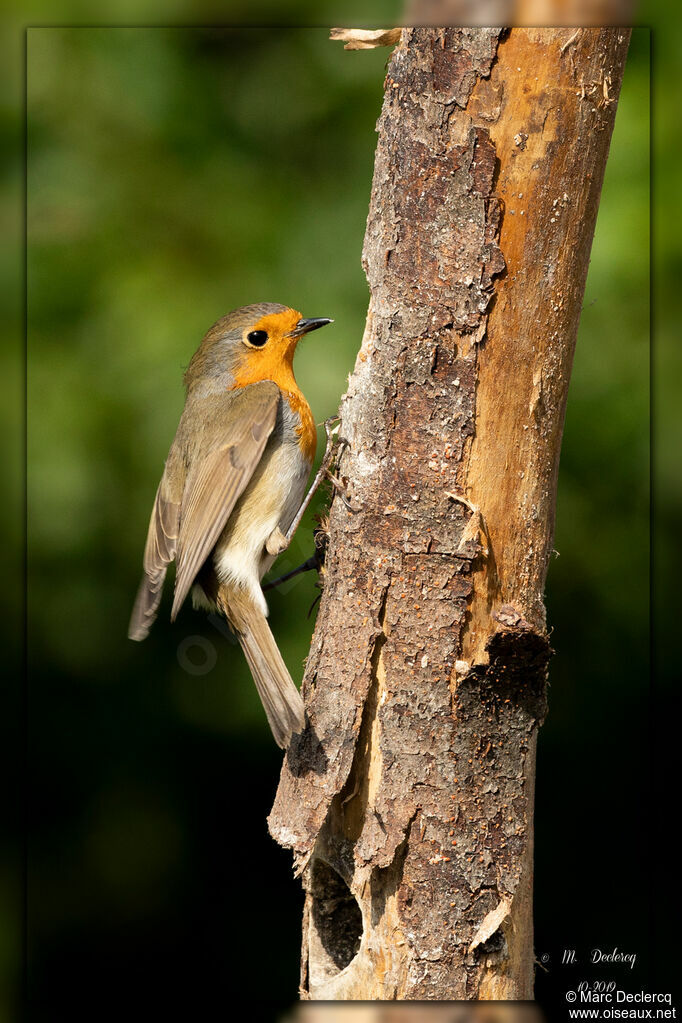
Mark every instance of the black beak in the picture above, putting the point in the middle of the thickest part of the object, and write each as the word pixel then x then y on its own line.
pixel 305 326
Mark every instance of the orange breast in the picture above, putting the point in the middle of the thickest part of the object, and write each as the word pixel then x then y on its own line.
pixel 307 432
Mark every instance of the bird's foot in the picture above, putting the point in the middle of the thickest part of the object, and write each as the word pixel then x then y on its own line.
pixel 276 542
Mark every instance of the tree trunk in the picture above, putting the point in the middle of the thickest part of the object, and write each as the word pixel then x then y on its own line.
pixel 408 802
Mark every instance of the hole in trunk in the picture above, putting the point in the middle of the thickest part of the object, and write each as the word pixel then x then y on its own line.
pixel 335 924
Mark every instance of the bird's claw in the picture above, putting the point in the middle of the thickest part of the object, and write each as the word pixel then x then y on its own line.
pixel 340 488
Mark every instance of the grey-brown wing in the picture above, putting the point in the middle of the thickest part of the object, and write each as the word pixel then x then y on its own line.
pixel 159 551
pixel 216 482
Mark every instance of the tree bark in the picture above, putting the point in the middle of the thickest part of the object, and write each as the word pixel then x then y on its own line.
pixel 408 802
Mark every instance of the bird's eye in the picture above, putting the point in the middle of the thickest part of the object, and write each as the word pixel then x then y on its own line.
pixel 257 338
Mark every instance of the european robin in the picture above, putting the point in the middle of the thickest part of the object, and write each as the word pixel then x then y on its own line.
pixel 232 491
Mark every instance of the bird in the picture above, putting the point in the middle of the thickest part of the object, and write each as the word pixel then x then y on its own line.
pixel 233 490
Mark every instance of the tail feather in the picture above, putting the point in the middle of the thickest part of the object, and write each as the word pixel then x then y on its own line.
pixel 280 698
pixel 146 605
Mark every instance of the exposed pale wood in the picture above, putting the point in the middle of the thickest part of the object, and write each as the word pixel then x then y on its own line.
pixel 409 800
pixel 364 38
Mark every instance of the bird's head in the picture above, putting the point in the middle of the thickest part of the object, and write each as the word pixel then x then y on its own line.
pixel 253 343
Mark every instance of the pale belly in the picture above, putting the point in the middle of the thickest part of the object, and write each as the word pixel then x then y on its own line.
pixel 271 500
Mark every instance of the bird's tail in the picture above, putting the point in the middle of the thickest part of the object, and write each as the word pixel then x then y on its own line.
pixel 280 697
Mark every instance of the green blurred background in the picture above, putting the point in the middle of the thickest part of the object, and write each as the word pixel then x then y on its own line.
pixel 174 174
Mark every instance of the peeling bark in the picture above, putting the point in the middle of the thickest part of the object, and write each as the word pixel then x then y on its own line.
pixel 408 801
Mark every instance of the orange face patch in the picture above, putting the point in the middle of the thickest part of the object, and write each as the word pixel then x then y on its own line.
pixel 278 324
pixel 274 361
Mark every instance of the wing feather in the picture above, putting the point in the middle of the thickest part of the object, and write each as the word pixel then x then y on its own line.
pixel 219 443
pixel 159 551
pixel 217 481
